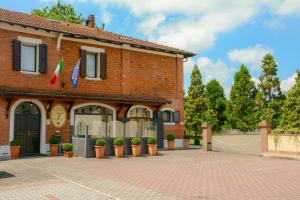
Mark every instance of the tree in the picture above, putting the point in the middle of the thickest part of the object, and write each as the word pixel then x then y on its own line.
pixel 269 81
pixel 272 96
pixel 216 104
pixel 240 110
pixel 195 104
pixel 60 12
pixel 290 118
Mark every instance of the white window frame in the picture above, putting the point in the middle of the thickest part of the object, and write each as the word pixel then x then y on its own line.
pixel 171 110
pixel 140 106
pixel 97 51
pixel 31 42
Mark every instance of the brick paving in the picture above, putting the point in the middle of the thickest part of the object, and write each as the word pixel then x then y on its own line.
pixel 190 174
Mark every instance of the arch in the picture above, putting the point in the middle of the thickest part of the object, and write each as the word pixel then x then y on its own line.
pixel 139 106
pixel 168 109
pixel 43 146
pixel 72 113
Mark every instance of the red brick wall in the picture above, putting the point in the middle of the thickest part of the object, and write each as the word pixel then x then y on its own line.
pixel 129 73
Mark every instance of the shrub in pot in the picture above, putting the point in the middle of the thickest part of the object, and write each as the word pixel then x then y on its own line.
pixel 68 150
pixel 54 143
pixel 152 146
pixel 186 140
pixel 99 148
pixel 171 141
pixel 119 147
pixel 197 141
pixel 136 146
pixel 14 149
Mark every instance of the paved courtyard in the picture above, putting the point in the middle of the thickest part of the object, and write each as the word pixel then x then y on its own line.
pixel 190 174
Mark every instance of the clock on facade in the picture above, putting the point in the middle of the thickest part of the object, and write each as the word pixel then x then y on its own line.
pixel 58 115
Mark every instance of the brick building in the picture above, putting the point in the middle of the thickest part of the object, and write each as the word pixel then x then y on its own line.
pixel 120 77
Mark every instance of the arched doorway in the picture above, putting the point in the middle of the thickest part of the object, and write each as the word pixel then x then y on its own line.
pixel 27 127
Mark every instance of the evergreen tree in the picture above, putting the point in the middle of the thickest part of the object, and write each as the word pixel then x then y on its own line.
pixel 60 12
pixel 240 110
pixel 269 81
pixel 272 96
pixel 216 104
pixel 195 104
pixel 291 109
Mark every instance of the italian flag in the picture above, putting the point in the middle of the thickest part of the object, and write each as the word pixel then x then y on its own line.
pixel 58 70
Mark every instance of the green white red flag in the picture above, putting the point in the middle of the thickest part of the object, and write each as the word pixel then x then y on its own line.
pixel 58 70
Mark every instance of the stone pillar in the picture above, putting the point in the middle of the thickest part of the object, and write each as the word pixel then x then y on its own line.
pixel 265 130
pixel 206 136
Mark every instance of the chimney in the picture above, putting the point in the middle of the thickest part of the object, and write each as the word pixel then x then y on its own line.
pixel 91 21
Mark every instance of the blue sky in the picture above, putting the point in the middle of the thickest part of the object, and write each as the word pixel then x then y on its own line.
pixel 223 35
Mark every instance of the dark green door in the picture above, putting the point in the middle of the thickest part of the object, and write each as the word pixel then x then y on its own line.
pixel 27 127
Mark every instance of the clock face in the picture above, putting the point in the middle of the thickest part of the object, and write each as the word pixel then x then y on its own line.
pixel 58 115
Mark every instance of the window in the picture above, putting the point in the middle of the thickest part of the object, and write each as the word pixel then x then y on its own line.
pixel 140 113
pixel 28 58
pixel 91 65
pixel 168 116
pixel 30 55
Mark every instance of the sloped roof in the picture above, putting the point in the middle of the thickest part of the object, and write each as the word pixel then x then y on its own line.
pixel 33 21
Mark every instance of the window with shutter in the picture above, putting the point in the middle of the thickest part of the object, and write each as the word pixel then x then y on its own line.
pixel 168 115
pixel 29 55
pixel 93 63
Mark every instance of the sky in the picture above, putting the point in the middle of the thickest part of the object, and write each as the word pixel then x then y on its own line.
pixel 223 33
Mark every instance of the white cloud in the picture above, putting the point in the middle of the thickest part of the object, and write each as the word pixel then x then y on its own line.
pixel 289 7
pixel 149 25
pixel 200 21
pixel 251 56
pixel 288 83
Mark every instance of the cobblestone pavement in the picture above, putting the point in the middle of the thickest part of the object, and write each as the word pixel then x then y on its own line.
pixel 190 174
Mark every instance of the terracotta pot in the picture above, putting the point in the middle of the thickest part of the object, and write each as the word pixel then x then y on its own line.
pixel 136 150
pixel 152 148
pixel 99 150
pixel 68 154
pixel 171 145
pixel 14 152
pixel 54 149
pixel 186 143
pixel 119 151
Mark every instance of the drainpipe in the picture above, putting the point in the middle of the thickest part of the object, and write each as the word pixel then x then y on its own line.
pixel 60 35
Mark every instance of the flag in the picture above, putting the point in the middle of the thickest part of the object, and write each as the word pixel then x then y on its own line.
pixel 74 74
pixel 58 70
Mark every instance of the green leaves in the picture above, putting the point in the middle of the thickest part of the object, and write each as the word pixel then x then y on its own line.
pixel 195 103
pixel 290 118
pixel 240 110
pixel 60 12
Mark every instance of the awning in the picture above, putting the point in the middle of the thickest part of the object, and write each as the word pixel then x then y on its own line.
pixel 13 92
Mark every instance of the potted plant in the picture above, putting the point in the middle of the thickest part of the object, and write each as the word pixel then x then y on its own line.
pixel 54 143
pixel 68 150
pixel 186 140
pixel 152 146
pixel 14 149
pixel 136 146
pixel 119 147
pixel 99 148
pixel 171 141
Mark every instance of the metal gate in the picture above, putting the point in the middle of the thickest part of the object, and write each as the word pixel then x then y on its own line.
pixel 84 144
